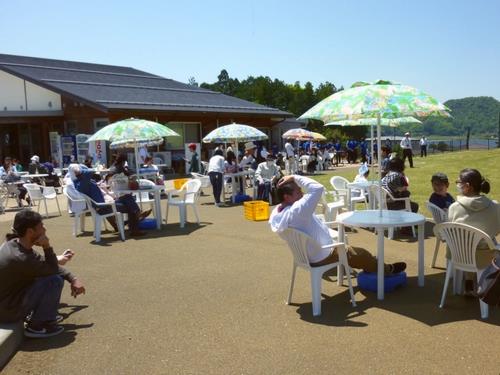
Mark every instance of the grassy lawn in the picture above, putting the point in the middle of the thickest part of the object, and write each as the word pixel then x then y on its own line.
pixel 487 162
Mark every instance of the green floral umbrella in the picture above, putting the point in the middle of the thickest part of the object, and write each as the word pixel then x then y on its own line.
pixel 133 133
pixel 380 100
pixel 391 122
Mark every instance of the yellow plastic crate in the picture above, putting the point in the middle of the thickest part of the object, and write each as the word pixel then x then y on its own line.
pixel 179 182
pixel 256 210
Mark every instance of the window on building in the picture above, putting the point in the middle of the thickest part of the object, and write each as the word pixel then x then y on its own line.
pixel 188 131
pixel 100 123
pixel 71 127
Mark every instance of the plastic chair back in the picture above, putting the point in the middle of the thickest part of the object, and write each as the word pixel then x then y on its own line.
pixel 191 188
pixel 375 190
pixel 462 240
pixel 298 242
pixel 438 214
pixel 34 191
pixel 339 183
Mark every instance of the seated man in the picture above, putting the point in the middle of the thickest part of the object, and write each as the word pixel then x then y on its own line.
pixel 440 197
pixel 126 203
pixel 31 284
pixel 297 211
pixel 397 184
pixel 266 175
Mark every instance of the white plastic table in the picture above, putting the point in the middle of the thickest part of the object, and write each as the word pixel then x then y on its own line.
pixel 389 219
pixel 234 188
pixel 156 191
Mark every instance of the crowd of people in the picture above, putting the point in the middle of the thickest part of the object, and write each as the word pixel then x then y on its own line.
pixel 31 281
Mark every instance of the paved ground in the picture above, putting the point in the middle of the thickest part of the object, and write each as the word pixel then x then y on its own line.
pixel 209 299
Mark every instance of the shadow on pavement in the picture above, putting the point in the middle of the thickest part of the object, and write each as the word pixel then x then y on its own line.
pixel 420 304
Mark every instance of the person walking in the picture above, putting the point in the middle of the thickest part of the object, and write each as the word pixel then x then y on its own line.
pixel 423 146
pixel 407 150
pixel 216 169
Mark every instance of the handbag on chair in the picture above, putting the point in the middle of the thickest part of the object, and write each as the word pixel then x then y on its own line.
pixel 489 284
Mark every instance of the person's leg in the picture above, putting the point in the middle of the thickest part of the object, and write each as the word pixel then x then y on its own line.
pixel 360 258
pixel 213 181
pixel 260 190
pixel 410 158
pixel 42 298
pixel 127 204
pixel 267 190
pixel 219 182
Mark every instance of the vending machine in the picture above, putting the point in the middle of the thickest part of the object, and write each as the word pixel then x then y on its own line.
pixel 82 147
pixel 68 148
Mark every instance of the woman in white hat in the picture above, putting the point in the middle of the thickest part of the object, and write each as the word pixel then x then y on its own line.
pixel 248 158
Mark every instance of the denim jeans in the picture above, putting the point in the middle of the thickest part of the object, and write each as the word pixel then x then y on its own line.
pixel 42 297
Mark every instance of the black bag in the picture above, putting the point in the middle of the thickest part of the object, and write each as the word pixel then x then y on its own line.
pixel 489 284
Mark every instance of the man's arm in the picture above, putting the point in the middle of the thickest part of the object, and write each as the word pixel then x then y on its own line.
pixel 306 206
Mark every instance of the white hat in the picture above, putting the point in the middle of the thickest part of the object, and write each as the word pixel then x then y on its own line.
pixel 249 146
pixel 407 133
pixel 35 158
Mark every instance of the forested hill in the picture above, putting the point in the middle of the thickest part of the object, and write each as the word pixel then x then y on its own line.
pixel 478 113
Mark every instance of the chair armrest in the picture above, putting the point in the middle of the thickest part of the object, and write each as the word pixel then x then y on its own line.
pixel 333 244
pixel 331 223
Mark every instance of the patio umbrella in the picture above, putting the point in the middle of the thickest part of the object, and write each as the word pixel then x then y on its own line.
pixel 234 133
pixel 379 100
pixel 298 134
pixel 133 133
pixel 318 136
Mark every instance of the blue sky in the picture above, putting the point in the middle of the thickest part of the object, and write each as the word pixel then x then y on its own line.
pixel 450 49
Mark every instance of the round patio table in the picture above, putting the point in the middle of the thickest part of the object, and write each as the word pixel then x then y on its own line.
pixel 380 220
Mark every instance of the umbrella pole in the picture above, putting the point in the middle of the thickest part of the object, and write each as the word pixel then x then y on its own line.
pixel 136 151
pixel 371 151
pixel 379 154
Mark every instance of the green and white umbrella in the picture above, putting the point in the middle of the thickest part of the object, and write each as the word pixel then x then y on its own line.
pixel 379 100
pixel 391 122
pixel 133 133
pixel 234 133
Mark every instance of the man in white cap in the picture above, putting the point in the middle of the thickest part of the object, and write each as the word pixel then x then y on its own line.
pixel 248 158
pixel 407 151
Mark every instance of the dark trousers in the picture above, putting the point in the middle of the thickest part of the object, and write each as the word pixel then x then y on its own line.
pixel 423 151
pixel 407 153
pixel 263 190
pixel 125 204
pixel 400 205
pixel 217 181
pixel 42 298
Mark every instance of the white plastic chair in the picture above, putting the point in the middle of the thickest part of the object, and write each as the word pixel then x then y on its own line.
pixel 78 206
pixel 298 242
pixel 462 240
pixel 385 194
pixel 188 196
pixel 339 184
pixel 205 180
pixel 4 196
pixel 142 196
pixel 331 209
pixel 100 218
pixel 439 216
pixel 42 193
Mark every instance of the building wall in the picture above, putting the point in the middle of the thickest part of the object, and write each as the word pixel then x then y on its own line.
pixel 17 94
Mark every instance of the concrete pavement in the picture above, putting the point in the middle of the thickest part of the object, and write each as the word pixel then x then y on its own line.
pixel 209 299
